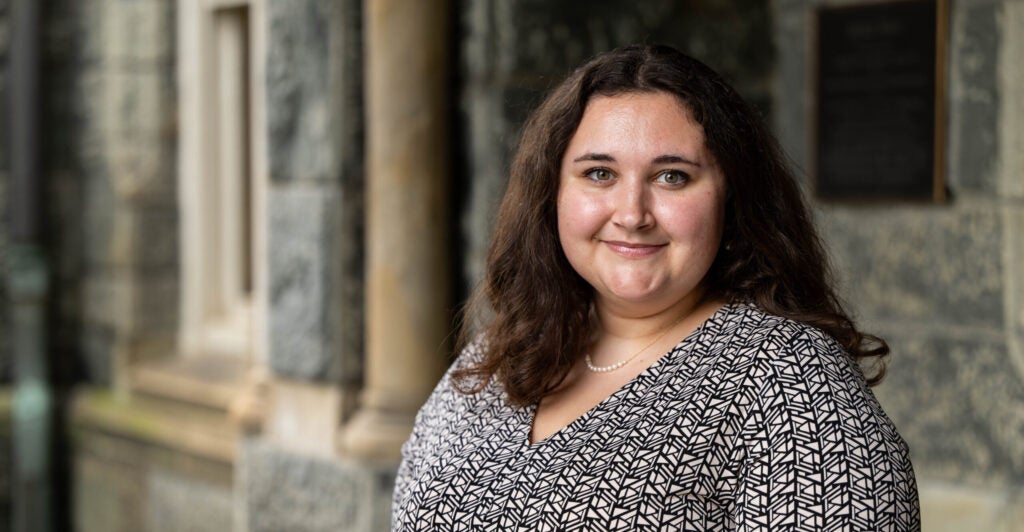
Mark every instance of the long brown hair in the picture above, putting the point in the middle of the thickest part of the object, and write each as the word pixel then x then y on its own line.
pixel 770 254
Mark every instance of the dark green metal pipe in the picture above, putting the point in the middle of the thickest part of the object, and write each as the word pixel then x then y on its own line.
pixel 27 281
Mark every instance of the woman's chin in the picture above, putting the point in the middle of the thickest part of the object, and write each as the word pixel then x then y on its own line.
pixel 654 295
pixel 632 296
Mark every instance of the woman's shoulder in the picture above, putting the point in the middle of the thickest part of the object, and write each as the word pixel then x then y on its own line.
pixel 759 324
pixel 470 356
pixel 467 384
pixel 781 341
pixel 451 399
pixel 803 371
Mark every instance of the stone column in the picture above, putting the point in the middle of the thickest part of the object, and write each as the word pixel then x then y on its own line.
pixel 407 275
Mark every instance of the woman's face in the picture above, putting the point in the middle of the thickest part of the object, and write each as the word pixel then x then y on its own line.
pixel 640 202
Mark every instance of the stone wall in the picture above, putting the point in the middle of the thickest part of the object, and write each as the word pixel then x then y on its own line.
pixel 108 138
pixel 147 465
pixel 290 477
pixel 294 491
pixel 110 135
pixel 315 154
pixel 943 283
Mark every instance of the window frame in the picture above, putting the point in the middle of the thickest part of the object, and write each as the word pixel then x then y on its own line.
pixel 215 360
pixel 238 333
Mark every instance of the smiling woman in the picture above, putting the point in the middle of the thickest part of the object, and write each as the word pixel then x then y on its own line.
pixel 665 349
pixel 640 204
pixel 640 211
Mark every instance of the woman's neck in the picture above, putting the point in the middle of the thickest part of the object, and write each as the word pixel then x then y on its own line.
pixel 631 322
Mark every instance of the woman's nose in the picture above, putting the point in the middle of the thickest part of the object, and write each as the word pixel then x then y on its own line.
pixel 632 209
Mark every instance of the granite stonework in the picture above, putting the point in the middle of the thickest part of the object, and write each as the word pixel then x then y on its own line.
pixel 116 183
pixel 137 30
pixel 974 96
pixel 1014 219
pixel 112 107
pixel 145 238
pixel 124 483
pixel 313 97
pixel 512 52
pixel 791 87
pixel 115 106
pixel 947 507
pixel 959 404
pixel 891 261
pixel 286 491
pixel 179 502
pixel 97 343
pixel 97 202
pixel 315 126
pixel 298 101
pixel 303 292
pixel 108 494
pixel 942 283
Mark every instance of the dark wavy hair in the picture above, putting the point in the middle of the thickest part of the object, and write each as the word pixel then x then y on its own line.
pixel 539 308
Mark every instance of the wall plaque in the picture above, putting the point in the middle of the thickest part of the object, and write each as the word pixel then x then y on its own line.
pixel 880 101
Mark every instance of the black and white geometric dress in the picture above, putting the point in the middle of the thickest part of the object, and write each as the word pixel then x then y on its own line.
pixel 753 422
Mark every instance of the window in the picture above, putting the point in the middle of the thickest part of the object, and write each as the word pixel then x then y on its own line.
pixel 221 197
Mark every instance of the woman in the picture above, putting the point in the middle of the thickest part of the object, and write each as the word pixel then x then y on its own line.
pixel 664 348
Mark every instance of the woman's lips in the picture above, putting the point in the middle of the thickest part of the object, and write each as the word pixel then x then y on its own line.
pixel 633 250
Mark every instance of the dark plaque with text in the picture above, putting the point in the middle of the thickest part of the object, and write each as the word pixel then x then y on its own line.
pixel 877 113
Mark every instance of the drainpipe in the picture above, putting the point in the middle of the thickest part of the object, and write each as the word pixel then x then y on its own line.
pixel 27 281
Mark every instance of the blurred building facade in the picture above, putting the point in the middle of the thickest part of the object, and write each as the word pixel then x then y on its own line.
pixel 262 215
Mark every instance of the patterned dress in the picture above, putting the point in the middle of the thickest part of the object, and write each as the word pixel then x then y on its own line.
pixel 752 422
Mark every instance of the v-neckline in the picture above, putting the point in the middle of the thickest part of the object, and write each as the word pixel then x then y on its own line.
pixel 530 412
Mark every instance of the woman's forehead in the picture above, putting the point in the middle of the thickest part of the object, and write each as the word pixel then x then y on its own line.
pixel 637 123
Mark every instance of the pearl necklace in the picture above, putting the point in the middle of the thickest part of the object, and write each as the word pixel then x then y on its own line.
pixel 605 369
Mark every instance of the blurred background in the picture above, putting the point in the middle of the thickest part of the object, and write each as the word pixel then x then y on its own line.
pixel 236 234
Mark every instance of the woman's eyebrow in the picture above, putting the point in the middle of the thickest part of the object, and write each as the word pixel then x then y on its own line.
pixel 667 159
pixel 661 159
pixel 603 157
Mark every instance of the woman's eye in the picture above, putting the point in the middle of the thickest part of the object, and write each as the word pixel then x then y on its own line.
pixel 673 177
pixel 599 174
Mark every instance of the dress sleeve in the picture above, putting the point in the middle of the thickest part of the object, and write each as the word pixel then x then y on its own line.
pixel 407 470
pixel 424 428
pixel 433 423
pixel 820 452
